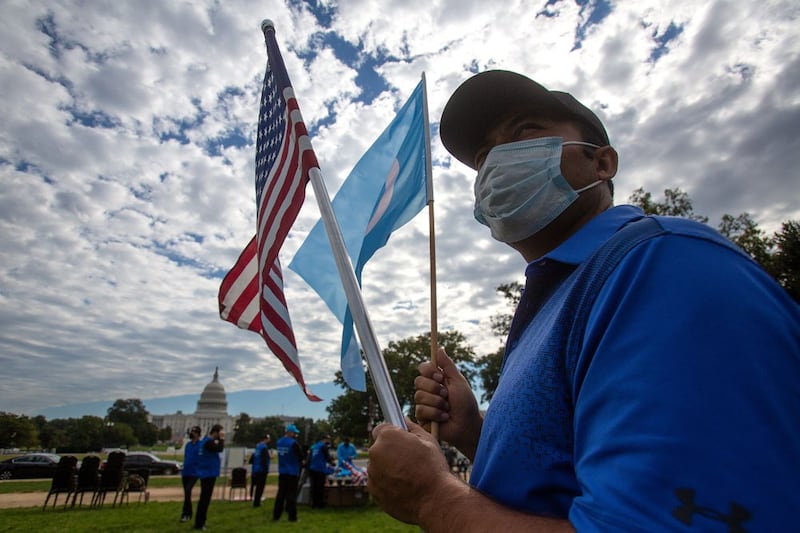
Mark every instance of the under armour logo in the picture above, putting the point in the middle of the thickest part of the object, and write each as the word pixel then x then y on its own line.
pixel 737 516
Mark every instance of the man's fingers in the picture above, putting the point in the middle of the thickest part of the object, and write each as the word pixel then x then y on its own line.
pixel 431 386
pixel 427 414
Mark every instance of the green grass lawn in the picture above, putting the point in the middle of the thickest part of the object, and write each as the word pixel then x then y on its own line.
pixel 223 516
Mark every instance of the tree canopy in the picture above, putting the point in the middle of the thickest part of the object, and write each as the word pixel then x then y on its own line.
pixel 133 413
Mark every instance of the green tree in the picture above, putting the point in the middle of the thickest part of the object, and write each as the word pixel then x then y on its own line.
pixel 274 426
pixel 133 413
pixel 17 431
pixel 165 435
pixel 244 431
pixel 350 414
pixel 785 262
pixel 676 204
pixel 85 434
pixel 53 434
pixel 489 365
pixel 118 435
pixel 501 322
pixel 744 231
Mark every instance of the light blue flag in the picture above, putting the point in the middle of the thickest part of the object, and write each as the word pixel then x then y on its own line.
pixel 385 189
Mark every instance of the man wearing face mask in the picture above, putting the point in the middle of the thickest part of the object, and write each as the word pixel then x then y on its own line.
pixel 650 373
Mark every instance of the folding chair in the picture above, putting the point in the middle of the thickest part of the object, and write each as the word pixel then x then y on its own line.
pixel 63 480
pixel 112 479
pixel 238 481
pixel 88 478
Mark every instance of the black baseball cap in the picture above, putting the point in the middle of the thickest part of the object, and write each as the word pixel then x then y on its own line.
pixel 486 97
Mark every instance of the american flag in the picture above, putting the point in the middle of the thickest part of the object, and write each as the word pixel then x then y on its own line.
pixel 251 294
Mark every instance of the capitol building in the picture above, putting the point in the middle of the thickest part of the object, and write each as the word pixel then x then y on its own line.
pixel 212 408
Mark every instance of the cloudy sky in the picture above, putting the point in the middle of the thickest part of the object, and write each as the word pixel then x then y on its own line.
pixel 127 161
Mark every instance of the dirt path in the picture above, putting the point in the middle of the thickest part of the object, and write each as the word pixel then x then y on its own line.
pixel 166 494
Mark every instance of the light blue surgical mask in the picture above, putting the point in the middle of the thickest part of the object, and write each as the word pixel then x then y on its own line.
pixel 520 190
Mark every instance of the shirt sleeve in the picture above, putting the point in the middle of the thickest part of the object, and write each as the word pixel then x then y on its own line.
pixel 214 446
pixel 683 394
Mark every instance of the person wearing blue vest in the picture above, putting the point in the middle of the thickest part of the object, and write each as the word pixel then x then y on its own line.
pixel 346 453
pixel 189 470
pixel 208 468
pixel 290 460
pixel 260 469
pixel 650 375
pixel 320 467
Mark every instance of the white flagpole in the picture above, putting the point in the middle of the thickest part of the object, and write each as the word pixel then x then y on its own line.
pixel 369 342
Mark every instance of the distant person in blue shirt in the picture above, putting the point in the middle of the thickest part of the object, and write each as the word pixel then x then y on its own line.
pixel 260 469
pixel 650 375
pixel 346 453
pixel 290 461
pixel 208 466
pixel 189 470
pixel 320 467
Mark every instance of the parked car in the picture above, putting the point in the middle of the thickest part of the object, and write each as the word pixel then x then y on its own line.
pixel 156 465
pixel 30 466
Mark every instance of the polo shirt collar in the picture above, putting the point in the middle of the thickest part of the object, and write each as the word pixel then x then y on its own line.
pixel 586 240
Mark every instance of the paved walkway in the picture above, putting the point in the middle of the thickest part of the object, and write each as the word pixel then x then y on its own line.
pixel 166 494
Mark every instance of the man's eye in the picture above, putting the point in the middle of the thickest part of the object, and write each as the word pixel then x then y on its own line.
pixel 525 129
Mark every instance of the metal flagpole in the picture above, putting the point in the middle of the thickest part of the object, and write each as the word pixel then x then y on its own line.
pixel 431 237
pixel 369 342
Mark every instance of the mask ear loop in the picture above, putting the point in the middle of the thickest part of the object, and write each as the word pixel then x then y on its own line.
pixel 595 184
pixel 582 143
pixel 593 147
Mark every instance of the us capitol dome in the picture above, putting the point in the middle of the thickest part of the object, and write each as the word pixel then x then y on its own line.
pixel 212 408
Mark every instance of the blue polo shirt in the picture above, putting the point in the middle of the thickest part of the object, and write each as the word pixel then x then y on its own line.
pixel 678 407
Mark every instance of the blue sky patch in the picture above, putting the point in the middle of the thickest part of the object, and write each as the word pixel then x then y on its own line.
pixel 598 10
pixel 663 39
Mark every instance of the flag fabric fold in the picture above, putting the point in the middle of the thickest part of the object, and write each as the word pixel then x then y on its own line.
pixel 251 294
pixel 384 191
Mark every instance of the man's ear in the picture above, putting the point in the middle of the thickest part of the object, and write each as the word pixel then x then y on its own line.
pixel 606 160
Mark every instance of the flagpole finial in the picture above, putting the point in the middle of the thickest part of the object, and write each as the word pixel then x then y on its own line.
pixel 267 24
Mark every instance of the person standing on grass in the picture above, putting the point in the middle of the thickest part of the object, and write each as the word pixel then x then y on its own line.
pixel 260 469
pixel 290 460
pixel 320 467
pixel 208 471
pixel 189 471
